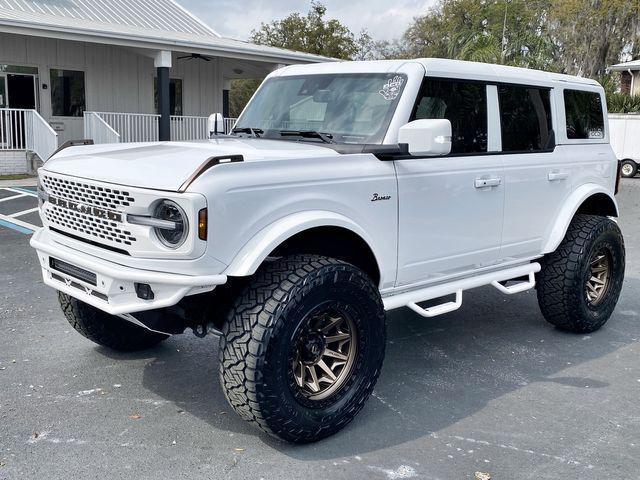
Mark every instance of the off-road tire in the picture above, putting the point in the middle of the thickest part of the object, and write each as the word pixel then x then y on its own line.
pixel 562 281
pixel 104 329
pixel 256 346
pixel 633 168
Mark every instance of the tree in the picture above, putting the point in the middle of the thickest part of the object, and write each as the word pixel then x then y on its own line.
pixel 310 33
pixel 512 32
pixel 593 34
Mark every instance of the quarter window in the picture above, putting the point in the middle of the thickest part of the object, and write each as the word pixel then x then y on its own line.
pixel 585 119
pixel 464 104
pixel 67 93
pixel 525 118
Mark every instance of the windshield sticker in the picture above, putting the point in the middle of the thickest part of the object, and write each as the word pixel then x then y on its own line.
pixel 391 89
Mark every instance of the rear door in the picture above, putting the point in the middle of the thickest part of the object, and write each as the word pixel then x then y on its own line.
pixel 451 208
pixel 538 174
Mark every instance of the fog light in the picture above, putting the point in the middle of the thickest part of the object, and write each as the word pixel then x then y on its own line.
pixel 143 290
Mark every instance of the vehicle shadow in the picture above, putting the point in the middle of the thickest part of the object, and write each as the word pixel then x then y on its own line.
pixel 437 372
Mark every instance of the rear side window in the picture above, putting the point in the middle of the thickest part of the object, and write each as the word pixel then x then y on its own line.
pixel 525 118
pixel 585 119
pixel 464 104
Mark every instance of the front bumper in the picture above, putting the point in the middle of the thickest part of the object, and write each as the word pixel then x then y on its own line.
pixel 114 290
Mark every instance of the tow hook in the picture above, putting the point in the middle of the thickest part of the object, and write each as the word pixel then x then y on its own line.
pixel 202 330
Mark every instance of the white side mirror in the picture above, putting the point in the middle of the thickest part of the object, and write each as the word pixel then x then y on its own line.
pixel 427 137
pixel 215 124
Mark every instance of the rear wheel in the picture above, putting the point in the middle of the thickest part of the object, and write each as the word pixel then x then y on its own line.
pixel 579 284
pixel 629 168
pixel 106 330
pixel 303 347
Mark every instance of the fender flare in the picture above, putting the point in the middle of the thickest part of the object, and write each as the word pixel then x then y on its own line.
pixel 568 211
pixel 258 248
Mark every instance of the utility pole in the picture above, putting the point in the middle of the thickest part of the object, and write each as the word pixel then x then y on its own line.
pixel 504 30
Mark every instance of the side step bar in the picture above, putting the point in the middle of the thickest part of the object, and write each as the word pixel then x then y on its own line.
pixel 412 298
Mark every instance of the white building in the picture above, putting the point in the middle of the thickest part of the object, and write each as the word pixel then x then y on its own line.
pixel 629 76
pixel 114 70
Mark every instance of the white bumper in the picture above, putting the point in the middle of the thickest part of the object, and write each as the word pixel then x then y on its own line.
pixel 114 290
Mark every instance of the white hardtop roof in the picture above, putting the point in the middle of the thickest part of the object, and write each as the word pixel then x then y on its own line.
pixel 440 67
pixel 632 65
pixel 156 24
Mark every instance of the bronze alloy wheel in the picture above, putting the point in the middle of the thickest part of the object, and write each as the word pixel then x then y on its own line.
pixel 600 274
pixel 325 349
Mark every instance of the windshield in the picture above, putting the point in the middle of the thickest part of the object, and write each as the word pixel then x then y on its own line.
pixel 340 108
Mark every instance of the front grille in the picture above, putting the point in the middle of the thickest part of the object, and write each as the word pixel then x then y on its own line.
pixel 87 194
pixel 89 225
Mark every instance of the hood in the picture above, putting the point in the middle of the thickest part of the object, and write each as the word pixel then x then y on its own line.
pixel 166 165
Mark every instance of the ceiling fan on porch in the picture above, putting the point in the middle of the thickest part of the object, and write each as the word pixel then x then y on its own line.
pixel 195 56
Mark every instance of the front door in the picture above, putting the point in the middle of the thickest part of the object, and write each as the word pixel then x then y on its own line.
pixel 20 93
pixel 4 129
pixel 451 208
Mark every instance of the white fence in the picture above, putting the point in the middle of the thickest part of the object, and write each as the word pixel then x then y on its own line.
pixel 115 127
pixel 99 130
pixel 22 129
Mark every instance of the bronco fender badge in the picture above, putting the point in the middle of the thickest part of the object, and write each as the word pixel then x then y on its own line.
pixel 377 197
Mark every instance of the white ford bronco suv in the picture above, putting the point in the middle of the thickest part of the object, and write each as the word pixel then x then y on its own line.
pixel 344 190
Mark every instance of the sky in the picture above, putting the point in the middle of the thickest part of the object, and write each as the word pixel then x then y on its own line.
pixel 384 19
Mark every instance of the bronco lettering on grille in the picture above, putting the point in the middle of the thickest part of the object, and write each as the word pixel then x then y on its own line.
pixel 86 209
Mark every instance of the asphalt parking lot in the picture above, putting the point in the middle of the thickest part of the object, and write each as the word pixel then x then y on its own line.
pixel 490 388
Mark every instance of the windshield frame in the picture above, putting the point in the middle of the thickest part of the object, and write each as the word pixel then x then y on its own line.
pixel 338 138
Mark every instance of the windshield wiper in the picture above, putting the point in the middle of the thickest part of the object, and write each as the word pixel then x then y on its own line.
pixel 256 132
pixel 325 137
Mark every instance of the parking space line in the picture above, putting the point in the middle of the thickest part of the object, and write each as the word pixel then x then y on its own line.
pixel 18 225
pixel 13 197
pixel 23 191
pixel 24 212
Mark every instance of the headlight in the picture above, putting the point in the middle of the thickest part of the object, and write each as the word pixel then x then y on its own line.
pixel 171 212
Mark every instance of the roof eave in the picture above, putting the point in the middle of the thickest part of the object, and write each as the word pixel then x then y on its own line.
pixel 140 41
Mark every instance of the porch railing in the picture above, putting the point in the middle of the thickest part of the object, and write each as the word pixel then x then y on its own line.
pixel 115 127
pixel 97 129
pixel 23 129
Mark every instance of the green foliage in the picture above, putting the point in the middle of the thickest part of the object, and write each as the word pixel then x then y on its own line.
pixel 240 93
pixel 313 33
pixel 472 30
pixel 310 33
pixel 620 103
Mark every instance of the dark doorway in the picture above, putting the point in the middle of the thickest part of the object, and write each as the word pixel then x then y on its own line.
pixel 22 91
pixel 21 95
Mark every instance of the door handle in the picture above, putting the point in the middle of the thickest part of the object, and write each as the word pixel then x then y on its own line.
pixel 556 176
pixel 487 182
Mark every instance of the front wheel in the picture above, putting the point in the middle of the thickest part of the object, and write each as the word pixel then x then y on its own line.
pixel 303 347
pixel 579 284
pixel 106 330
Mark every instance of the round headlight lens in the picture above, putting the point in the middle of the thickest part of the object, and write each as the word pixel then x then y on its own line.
pixel 171 211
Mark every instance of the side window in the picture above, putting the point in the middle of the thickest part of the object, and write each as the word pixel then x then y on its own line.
pixel 585 119
pixel 67 93
pixel 525 118
pixel 464 104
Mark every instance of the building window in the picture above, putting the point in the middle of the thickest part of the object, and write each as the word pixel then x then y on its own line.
pixel 67 93
pixel 525 118
pixel 584 115
pixel 175 95
pixel 464 104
